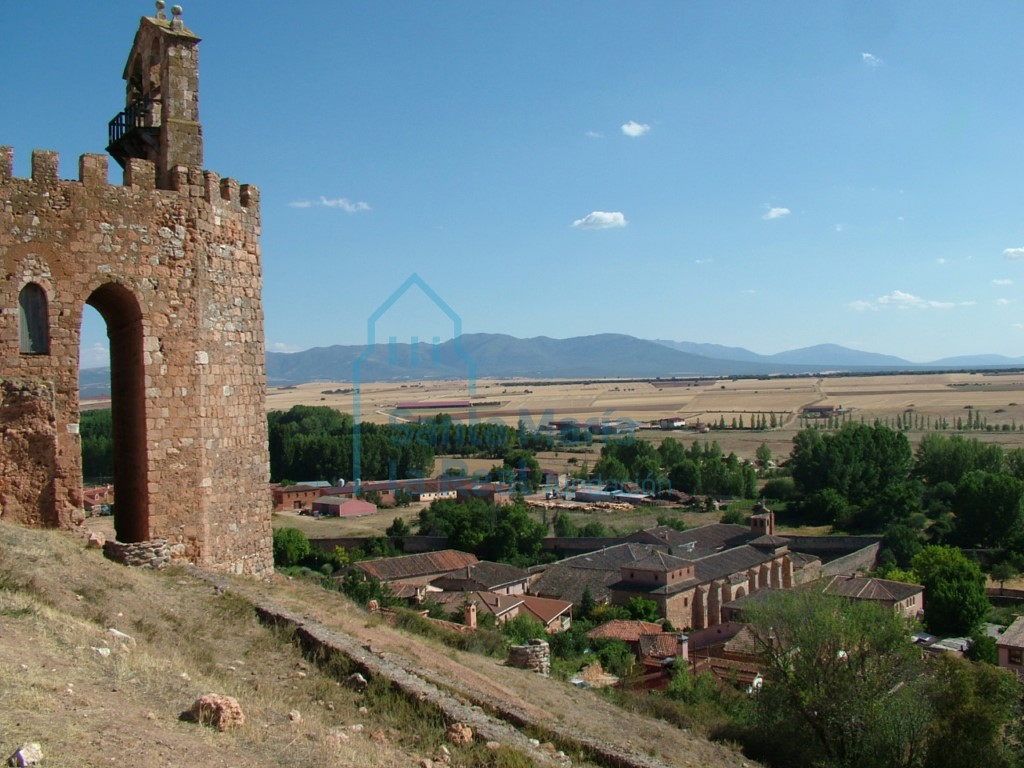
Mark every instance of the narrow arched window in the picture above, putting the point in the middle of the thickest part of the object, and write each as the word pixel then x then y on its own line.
pixel 34 320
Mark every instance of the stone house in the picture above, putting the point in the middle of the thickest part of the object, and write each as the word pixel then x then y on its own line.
pixel 690 593
pixel 499 578
pixel 905 599
pixel 1010 647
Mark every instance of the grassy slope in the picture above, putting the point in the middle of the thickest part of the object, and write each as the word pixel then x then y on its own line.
pixel 58 599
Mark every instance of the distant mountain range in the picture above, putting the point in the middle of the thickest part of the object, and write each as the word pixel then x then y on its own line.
pixel 609 355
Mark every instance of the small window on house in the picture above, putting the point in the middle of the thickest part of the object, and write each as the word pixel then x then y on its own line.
pixel 34 321
pixel 1016 656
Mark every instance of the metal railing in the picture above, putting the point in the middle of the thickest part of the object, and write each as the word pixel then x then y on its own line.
pixel 134 116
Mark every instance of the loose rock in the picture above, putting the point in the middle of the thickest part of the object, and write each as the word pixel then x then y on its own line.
pixel 459 734
pixel 26 754
pixel 222 712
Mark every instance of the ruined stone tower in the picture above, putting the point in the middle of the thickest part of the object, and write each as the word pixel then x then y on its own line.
pixel 171 261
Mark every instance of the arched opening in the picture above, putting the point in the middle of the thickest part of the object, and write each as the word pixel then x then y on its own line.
pixel 120 311
pixel 33 320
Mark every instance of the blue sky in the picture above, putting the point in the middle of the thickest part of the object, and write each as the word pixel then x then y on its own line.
pixel 766 175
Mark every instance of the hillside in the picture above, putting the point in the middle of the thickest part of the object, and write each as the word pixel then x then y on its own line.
pixel 58 600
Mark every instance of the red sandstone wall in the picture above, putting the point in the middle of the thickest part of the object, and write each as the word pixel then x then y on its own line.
pixel 189 259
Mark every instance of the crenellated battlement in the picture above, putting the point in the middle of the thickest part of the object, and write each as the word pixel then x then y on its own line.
pixel 170 259
pixel 138 174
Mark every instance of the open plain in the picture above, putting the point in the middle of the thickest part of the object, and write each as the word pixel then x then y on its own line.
pixel 921 400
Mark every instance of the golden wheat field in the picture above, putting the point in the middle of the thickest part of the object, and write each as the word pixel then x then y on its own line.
pixel 921 401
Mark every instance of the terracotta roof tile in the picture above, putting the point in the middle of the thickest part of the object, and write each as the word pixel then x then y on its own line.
pixel 411 566
pixel 624 629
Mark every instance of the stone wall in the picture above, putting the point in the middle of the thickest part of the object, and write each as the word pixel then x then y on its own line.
pixel 176 274
pixel 28 460
pixel 535 656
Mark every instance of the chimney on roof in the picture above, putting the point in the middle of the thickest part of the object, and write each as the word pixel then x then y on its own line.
pixel 471 614
pixel 683 651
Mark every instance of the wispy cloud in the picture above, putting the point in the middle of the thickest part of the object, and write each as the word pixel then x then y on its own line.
pixel 278 346
pixel 634 129
pixel 1003 302
pixel 342 203
pixel 1014 254
pixel 96 356
pixel 775 213
pixel 594 135
pixel 601 220
pixel 940 260
pixel 840 227
pixel 703 261
pixel 904 300
pixel 1002 281
pixel 871 60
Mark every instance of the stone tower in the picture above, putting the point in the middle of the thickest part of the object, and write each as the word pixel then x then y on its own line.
pixel 171 261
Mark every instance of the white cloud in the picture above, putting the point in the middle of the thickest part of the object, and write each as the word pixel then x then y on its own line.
pixel 594 135
pixel 703 261
pixel 871 60
pixel 776 213
pixel 634 129
pixel 96 356
pixel 862 306
pixel 601 220
pixel 940 260
pixel 278 346
pixel 1014 254
pixel 343 203
pixel 1002 281
pixel 1004 302
pixel 904 300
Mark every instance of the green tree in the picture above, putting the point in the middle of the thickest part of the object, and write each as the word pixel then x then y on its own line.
pixel 642 609
pixel 856 461
pixel 521 628
pixel 290 546
pixel 763 454
pixel 587 605
pixel 844 684
pixel 1003 572
pixel 989 508
pixel 564 526
pixel 615 656
pixel 955 599
pixel 903 543
pixel 973 704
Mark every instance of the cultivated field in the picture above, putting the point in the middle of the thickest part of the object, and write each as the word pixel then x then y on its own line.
pixel 925 398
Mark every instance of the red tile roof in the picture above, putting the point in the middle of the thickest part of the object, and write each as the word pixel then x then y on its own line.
pixel 545 609
pixel 411 566
pixel 623 629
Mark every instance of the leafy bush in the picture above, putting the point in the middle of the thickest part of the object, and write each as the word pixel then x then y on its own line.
pixel 291 547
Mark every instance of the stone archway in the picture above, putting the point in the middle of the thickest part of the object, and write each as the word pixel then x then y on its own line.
pixel 119 308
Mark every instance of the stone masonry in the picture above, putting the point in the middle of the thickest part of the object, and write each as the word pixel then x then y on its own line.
pixel 171 260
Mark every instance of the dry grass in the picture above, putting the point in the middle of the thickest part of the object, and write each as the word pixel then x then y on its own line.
pixel 57 604
pixel 58 599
